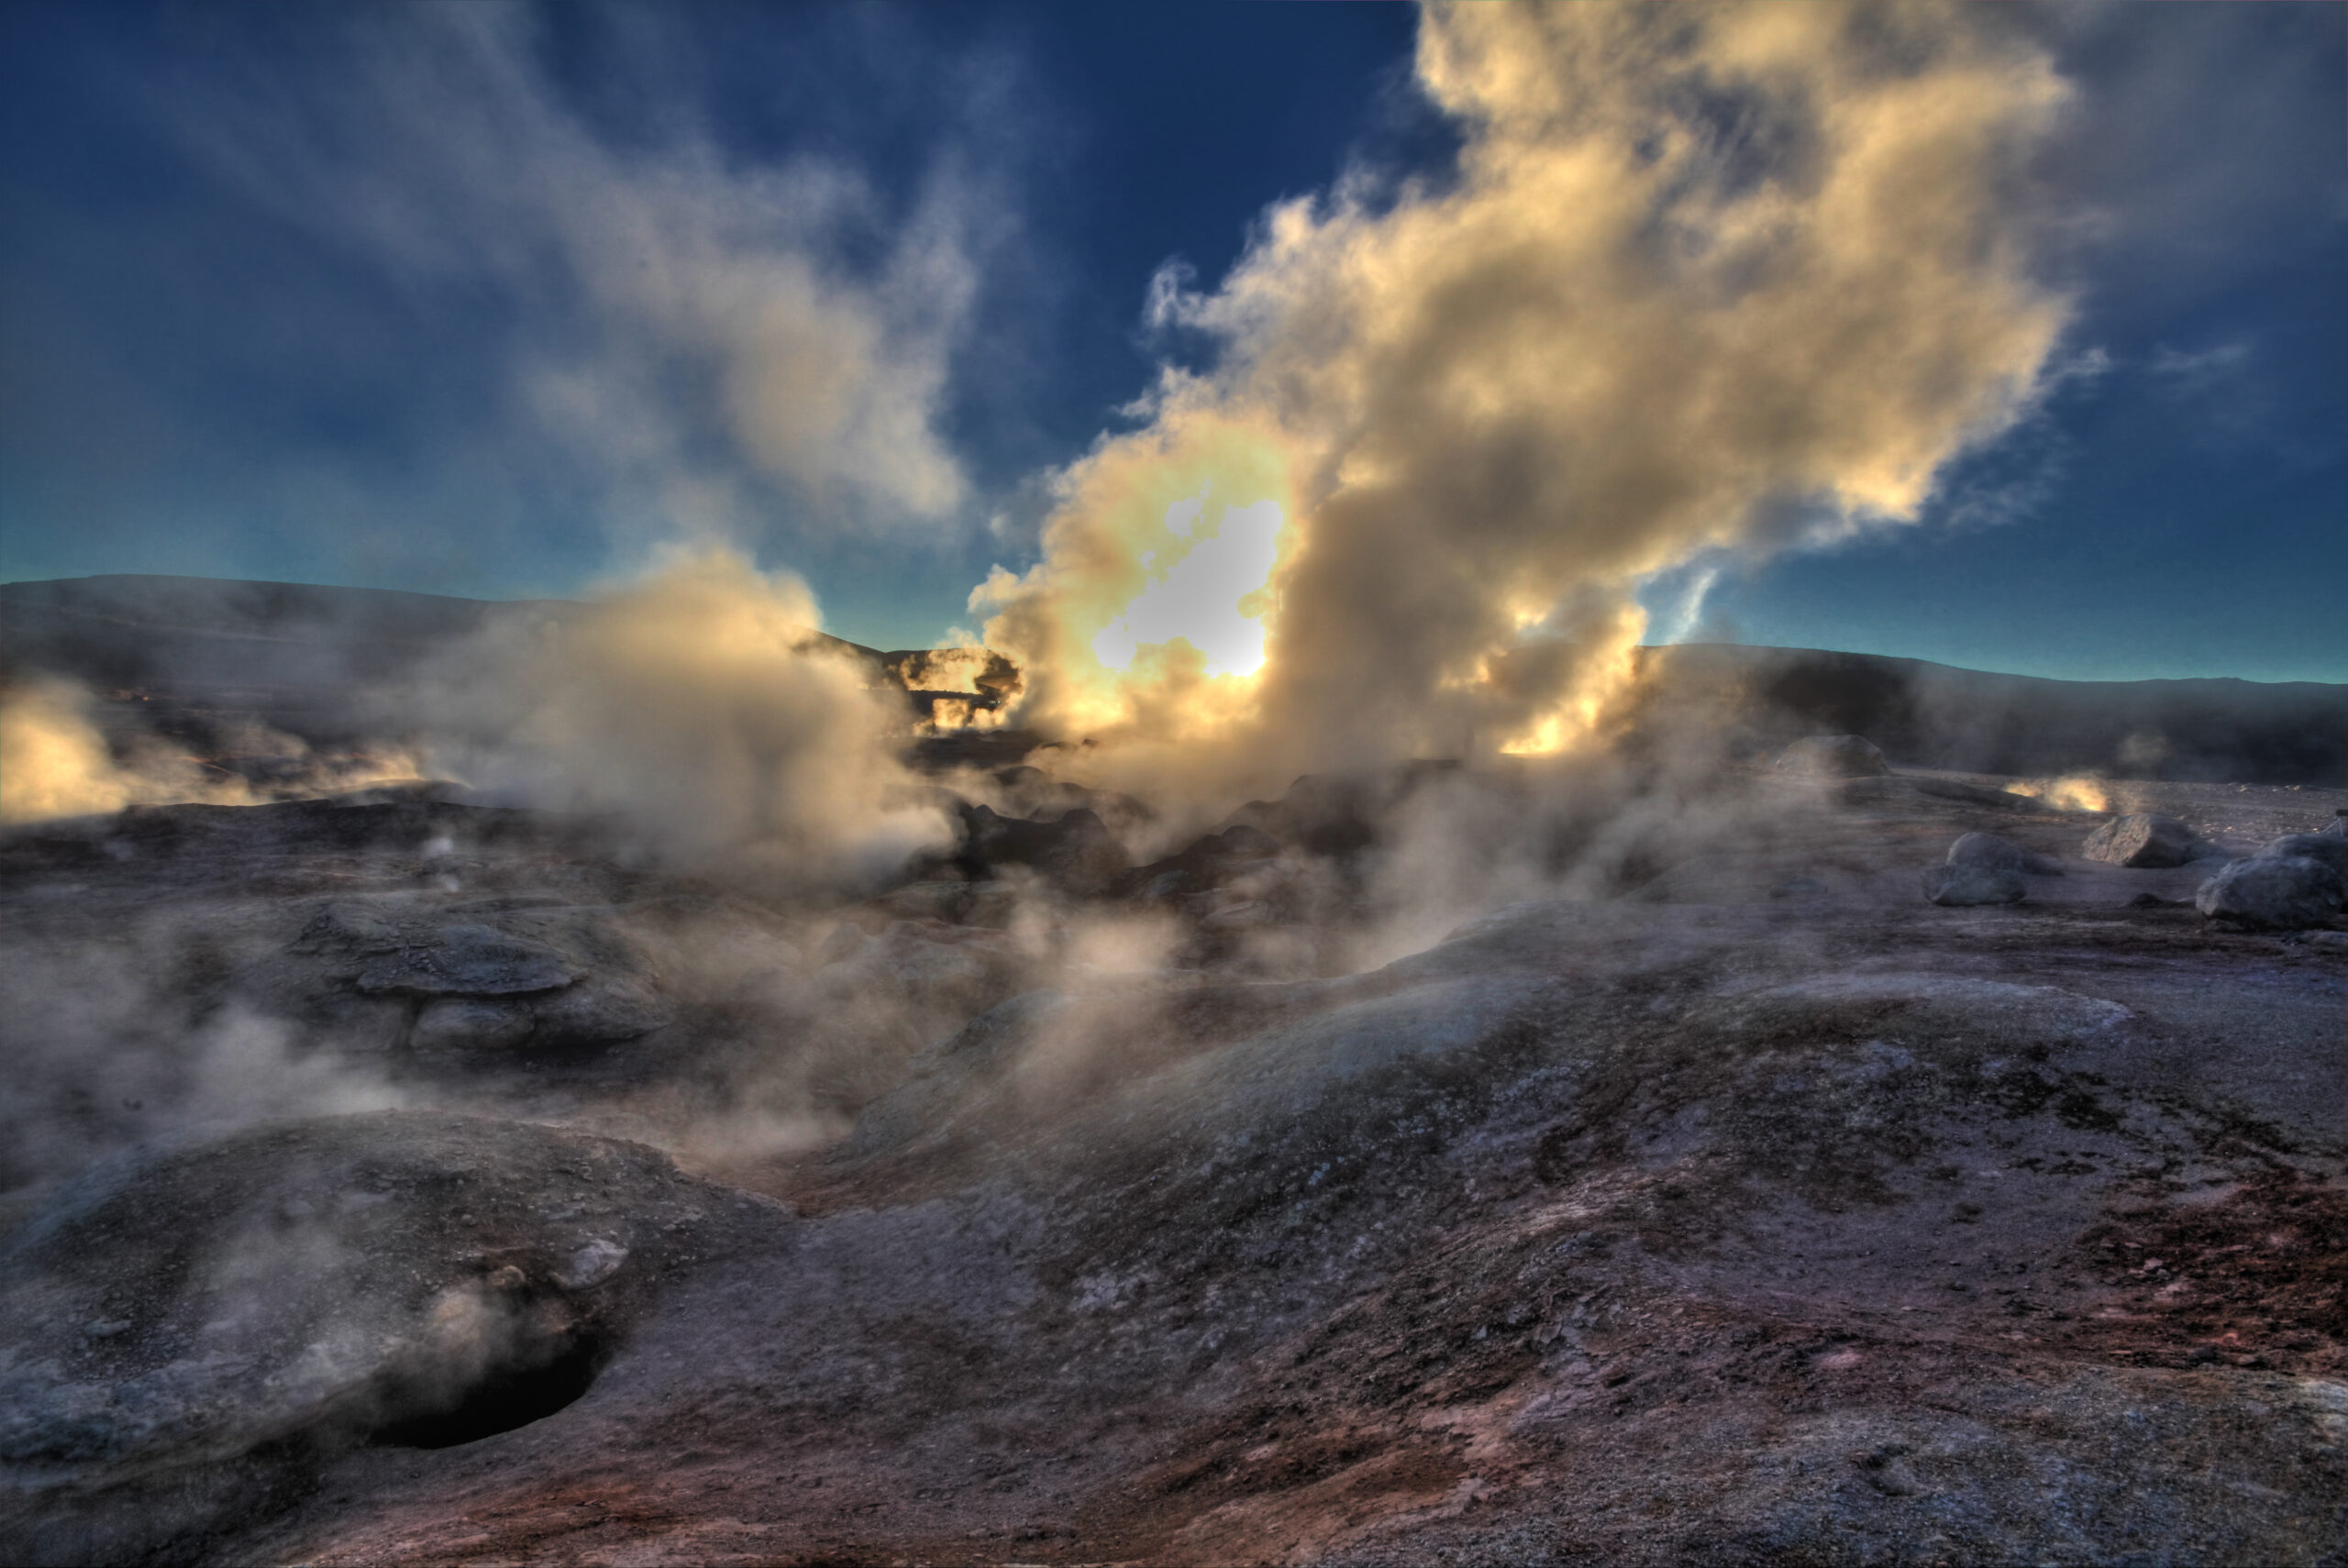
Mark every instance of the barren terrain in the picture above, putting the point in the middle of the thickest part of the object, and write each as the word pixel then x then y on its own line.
pixel 1743 1208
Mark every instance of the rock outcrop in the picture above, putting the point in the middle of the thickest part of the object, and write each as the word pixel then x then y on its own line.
pixel 485 980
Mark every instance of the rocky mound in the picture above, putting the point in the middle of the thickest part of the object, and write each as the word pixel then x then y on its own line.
pixel 1930 715
pixel 193 1333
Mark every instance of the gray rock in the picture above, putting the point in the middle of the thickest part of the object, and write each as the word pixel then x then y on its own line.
pixel 2140 839
pixel 601 1012
pixel 1990 853
pixel 463 1026
pixel 1962 886
pixel 469 960
pixel 2274 893
pixel 340 1280
pixel 1833 756
pixel 2330 848
pixel 1800 888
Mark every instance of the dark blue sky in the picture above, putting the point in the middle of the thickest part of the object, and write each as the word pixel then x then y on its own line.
pixel 478 302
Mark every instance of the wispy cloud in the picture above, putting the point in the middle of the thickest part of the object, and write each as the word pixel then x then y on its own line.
pixel 711 338
pixel 2191 372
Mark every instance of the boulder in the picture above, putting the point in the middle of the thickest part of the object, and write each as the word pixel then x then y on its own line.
pixel 2142 839
pixel 2330 848
pixel 2279 892
pixel 1960 886
pixel 1833 756
pixel 1988 852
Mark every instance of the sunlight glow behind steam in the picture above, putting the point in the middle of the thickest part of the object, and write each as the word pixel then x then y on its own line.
pixel 1711 280
pixel 1211 594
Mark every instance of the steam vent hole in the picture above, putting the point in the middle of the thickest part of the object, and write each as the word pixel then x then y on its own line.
pixel 509 1397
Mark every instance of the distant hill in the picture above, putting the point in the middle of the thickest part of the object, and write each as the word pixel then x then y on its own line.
pixel 1934 715
pixel 191 654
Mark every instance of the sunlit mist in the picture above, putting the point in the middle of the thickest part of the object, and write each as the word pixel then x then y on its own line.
pixel 1707 281
pixel 1210 590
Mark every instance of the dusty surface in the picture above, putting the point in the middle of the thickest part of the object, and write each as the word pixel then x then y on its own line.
pixel 1742 1207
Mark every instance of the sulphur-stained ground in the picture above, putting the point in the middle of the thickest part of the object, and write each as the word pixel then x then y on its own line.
pixel 1745 1208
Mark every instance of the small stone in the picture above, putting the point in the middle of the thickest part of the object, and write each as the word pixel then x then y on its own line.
pixel 592 1264
pixel 1963 886
pixel 2140 839
pixel 1887 1471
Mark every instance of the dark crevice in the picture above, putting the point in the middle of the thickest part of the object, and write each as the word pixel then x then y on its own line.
pixel 509 1397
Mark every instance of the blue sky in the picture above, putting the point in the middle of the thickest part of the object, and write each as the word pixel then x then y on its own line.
pixel 498 302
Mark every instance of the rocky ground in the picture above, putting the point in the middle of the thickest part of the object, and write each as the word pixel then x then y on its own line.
pixel 407 1181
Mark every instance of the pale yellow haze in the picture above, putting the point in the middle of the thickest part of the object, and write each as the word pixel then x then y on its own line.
pixel 54 761
pixel 1703 269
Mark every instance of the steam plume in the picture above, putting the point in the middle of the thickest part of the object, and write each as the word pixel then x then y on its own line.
pixel 701 708
pixel 56 762
pixel 1720 279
